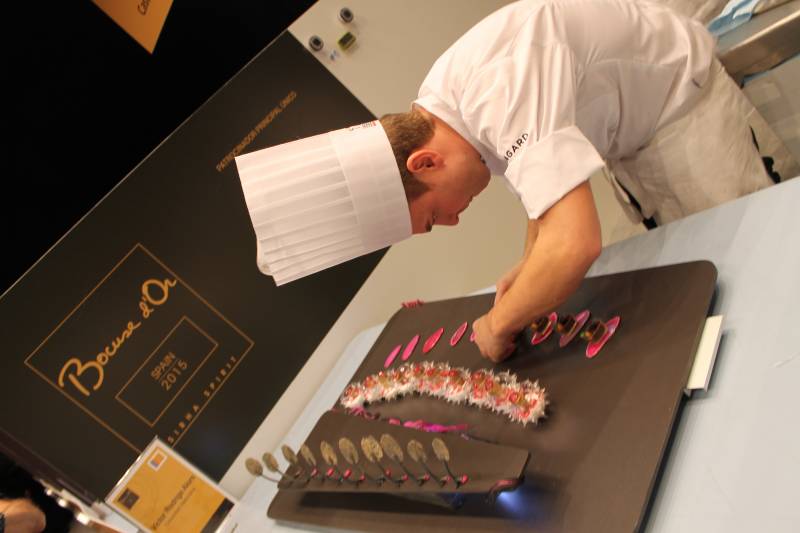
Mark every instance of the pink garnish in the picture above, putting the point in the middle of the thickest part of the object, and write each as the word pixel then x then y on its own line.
pixel 432 340
pixel 410 348
pixel 458 334
pixel 434 428
pixel 580 320
pixel 541 336
pixel 392 356
pixel 595 347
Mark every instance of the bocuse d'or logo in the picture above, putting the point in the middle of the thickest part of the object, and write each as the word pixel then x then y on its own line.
pixel 155 293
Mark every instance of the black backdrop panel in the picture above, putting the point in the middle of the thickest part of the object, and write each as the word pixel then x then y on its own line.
pixel 150 316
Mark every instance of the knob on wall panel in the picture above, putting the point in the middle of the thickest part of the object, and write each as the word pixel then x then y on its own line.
pixel 344 41
pixel 316 43
pixel 346 15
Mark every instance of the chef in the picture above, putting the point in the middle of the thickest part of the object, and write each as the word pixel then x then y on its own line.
pixel 544 93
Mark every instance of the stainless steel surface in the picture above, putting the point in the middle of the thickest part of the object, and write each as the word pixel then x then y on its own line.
pixel 765 41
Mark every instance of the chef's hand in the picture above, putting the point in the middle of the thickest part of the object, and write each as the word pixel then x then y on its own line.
pixel 492 346
pixel 504 283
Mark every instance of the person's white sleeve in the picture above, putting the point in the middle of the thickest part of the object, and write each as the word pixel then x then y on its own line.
pixel 523 107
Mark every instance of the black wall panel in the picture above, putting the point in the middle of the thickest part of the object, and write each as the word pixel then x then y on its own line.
pixel 160 279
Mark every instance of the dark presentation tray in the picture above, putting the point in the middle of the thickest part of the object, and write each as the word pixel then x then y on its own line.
pixel 594 459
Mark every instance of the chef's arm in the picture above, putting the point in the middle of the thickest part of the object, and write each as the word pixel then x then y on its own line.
pixel 505 282
pixel 530 239
pixel 560 248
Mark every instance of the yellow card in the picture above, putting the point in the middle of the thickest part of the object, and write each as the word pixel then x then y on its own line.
pixel 163 493
pixel 141 19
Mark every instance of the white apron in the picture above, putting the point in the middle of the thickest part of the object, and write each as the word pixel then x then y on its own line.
pixel 700 160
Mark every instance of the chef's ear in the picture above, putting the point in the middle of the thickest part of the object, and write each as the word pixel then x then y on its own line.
pixel 424 160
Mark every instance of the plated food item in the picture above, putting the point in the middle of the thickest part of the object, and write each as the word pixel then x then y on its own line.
pixel 522 401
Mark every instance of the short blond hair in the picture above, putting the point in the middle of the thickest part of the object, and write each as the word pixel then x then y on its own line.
pixel 408 132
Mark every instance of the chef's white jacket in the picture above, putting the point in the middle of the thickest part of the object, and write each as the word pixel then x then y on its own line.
pixel 546 90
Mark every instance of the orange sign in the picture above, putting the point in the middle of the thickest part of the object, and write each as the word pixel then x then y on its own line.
pixel 163 492
pixel 141 19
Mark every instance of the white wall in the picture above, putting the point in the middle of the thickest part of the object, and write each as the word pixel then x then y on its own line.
pixel 397 42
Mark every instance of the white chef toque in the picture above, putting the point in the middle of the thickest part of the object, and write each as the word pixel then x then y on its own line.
pixel 323 200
